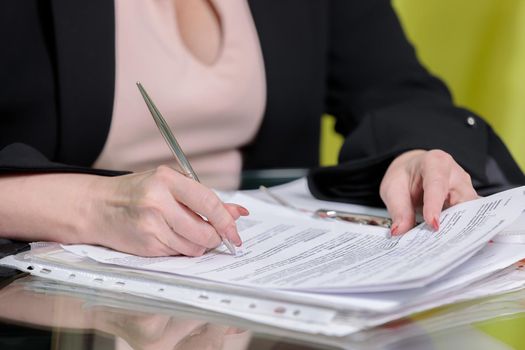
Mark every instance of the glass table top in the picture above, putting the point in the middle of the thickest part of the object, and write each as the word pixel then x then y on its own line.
pixel 43 314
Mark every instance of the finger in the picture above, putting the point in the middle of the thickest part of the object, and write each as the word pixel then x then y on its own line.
pixel 435 171
pixel 461 188
pixel 236 210
pixel 160 239
pixel 205 202
pixel 142 240
pixel 176 332
pixel 400 207
pixel 178 243
pixel 210 335
pixel 150 250
pixel 151 246
pixel 201 200
pixel 190 226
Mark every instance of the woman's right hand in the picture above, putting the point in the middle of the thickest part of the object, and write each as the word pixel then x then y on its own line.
pixel 154 214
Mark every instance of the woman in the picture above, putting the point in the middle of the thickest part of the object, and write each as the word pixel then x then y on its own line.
pixel 243 85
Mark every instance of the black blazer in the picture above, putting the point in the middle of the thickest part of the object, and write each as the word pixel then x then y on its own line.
pixel 347 58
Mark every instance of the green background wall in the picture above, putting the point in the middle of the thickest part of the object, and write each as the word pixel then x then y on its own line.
pixel 478 48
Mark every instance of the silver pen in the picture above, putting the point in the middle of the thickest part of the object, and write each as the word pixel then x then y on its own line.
pixel 364 219
pixel 180 157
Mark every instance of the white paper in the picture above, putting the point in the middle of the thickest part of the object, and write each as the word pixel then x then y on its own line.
pixel 294 252
pixel 326 322
pixel 347 321
pixel 514 233
pixel 511 279
pixel 492 258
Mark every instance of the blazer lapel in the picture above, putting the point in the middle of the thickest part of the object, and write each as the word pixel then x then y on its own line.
pixel 85 53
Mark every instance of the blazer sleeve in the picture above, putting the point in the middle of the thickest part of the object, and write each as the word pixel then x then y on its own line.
pixel 386 103
pixel 20 158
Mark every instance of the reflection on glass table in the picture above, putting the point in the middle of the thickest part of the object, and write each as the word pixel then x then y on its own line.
pixel 43 314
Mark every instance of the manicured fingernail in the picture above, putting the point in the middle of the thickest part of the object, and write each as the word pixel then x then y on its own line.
pixel 394 230
pixel 435 224
pixel 243 211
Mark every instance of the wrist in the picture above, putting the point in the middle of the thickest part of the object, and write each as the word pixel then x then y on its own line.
pixel 90 208
pixel 71 213
pixel 46 207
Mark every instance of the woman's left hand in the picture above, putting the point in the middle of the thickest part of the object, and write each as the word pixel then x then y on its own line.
pixel 428 179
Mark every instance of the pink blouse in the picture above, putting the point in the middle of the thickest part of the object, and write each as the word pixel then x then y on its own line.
pixel 213 110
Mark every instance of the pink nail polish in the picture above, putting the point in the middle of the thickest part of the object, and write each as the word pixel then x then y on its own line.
pixel 394 230
pixel 435 224
pixel 243 211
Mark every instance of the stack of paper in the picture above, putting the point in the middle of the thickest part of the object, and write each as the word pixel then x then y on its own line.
pixel 315 275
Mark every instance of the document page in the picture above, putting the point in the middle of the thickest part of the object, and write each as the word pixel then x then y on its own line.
pixel 296 252
pixel 492 258
pixel 515 233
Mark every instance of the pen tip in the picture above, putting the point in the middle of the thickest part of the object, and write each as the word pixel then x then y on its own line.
pixel 229 246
